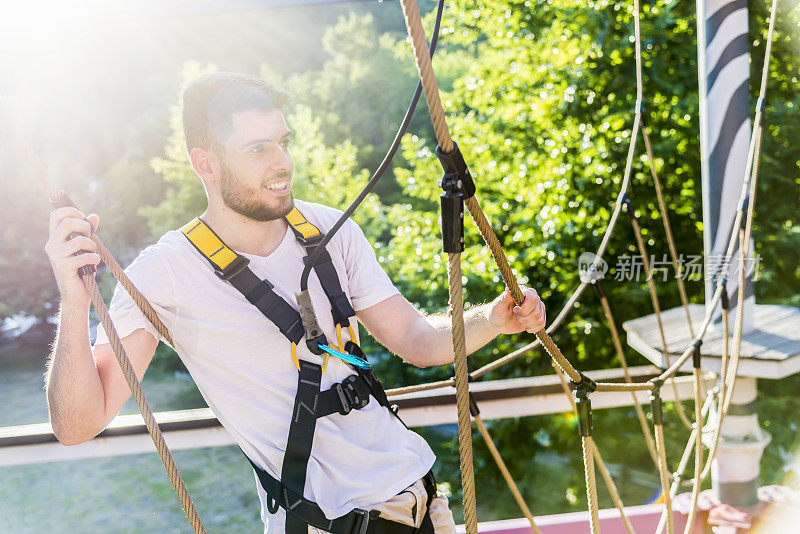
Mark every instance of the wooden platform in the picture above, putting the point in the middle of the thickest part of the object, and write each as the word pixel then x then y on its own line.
pixel 772 350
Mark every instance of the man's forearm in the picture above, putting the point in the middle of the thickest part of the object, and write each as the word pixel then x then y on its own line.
pixel 439 340
pixel 75 397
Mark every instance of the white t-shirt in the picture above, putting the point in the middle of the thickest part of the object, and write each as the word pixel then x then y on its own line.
pixel 242 364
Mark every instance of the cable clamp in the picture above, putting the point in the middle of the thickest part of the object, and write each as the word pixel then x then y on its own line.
pixel 656 403
pixel 457 185
pixel 456 171
pixel 627 203
pixel 760 104
pixel 639 109
pixel 724 299
pixel 743 209
pixel 583 406
pixel 696 356
pixel 585 386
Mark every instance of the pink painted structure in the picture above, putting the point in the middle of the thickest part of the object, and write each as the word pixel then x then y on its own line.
pixel 644 518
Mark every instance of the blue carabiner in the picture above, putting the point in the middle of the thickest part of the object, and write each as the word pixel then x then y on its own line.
pixel 349 358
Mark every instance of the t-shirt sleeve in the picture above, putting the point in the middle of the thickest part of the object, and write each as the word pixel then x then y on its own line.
pixel 368 282
pixel 150 276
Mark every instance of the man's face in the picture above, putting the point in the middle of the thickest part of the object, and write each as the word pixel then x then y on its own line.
pixel 256 178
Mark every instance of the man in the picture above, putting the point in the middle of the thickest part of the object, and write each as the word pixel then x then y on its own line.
pixel 238 144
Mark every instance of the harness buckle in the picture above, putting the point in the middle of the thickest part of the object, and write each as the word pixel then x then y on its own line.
pixel 309 242
pixel 233 268
pixel 360 521
pixel 344 397
pixel 349 396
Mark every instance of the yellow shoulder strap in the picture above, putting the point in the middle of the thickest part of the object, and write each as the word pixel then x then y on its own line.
pixel 211 246
pixel 208 243
pixel 302 228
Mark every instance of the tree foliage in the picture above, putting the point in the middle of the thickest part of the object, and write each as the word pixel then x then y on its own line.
pixel 540 97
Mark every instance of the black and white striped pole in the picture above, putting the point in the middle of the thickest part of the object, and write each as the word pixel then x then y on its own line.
pixel 725 127
pixel 725 130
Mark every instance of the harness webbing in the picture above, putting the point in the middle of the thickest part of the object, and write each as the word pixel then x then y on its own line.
pixel 353 393
pixel 231 266
pixel 301 437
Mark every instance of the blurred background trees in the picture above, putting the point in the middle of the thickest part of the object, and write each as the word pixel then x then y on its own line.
pixel 540 97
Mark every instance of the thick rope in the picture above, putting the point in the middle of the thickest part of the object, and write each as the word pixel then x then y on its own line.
pixel 138 298
pixel 723 373
pixel 53 193
pixel 508 277
pixel 673 252
pixel 116 344
pixel 426 75
pixel 684 461
pixel 663 472
pixel 501 465
pixel 144 406
pixel 621 386
pixel 430 87
pixel 420 387
pixel 456 311
pixel 698 450
pixel 587 445
pixel 511 282
pixel 613 491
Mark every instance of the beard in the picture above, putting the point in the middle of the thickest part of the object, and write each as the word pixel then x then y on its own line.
pixel 243 199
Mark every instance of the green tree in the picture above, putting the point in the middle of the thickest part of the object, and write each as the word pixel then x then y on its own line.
pixel 543 116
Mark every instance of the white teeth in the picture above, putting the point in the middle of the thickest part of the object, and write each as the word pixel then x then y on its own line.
pixel 277 186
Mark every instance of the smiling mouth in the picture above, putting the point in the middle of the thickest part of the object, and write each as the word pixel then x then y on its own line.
pixel 278 186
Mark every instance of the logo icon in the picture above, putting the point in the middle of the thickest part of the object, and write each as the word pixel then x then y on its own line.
pixel 591 267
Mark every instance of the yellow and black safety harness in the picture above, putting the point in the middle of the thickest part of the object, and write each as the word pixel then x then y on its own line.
pixel 350 394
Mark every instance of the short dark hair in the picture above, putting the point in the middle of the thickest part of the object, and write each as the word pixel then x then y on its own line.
pixel 210 101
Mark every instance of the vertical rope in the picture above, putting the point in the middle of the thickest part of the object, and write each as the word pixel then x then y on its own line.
pixel 684 461
pixel 456 311
pixel 138 298
pixel 723 376
pixel 116 344
pixel 698 450
pixel 426 75
pixel 587 444
pixel 657 408
pixel 663 471
pixel 613 491
pixel 505 472
pixel 147 414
